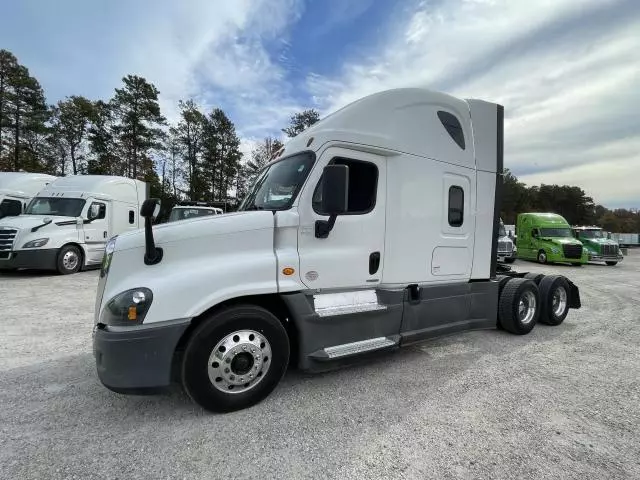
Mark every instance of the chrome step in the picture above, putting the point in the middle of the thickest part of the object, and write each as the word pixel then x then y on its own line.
pixel 348 349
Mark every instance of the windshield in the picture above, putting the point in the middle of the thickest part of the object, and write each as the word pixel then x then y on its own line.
pixel 592 234
pixel 63 207
pixel 555 232
pixel 501 230
pixel 184 213
pixel 277 185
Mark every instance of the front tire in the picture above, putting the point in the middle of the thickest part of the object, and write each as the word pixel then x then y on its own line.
pixel 518 308
pixel 611 264
pixel 510 260
pixel 542 257
pixel 69 260
pixel 235 358
pixel 554 299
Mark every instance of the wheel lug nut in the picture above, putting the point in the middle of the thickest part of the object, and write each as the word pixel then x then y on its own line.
pixel 226 370
pixel 244 347
pixel 228 360
pixel 231 377
pixel 253 350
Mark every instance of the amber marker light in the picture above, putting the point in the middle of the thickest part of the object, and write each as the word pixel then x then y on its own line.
pixel 288 271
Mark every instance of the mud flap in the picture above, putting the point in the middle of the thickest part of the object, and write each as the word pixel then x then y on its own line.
pixel 574 295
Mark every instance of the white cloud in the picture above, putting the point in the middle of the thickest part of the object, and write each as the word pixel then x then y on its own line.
pixel 214 51
pixel 566 71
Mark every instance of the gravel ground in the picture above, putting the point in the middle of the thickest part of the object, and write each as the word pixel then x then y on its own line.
pixel 561 402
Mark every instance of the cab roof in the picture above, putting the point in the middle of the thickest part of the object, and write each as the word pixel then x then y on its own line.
pixel 27 184
pixel 545 218
pixel 416 121
pixel 103 186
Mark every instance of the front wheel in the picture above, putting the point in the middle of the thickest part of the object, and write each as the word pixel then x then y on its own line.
pixel 69 260
pixel 235 358
pixel 510 260
pixel 542 257
pixel 611 264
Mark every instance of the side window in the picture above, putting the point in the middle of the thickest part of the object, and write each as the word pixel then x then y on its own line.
pixel 453 127
pixel 132 217
pixel 10 208
pixel 100 208
pixel 363 186
pixel 456 206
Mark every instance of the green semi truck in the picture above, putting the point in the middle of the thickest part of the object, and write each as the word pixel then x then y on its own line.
pixel 548 238
pixel 599 248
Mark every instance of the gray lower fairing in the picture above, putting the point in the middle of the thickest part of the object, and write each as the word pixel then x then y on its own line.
pixel 398 317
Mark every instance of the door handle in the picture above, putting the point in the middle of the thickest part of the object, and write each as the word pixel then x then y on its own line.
pixel 374 262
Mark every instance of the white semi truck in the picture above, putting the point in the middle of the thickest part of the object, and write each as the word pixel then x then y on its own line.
pixel 18 188
pixel 67 224
pixel 386 237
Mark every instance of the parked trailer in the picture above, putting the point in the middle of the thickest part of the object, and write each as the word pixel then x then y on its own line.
pixel 386 237
pixel 18 188
pixel 626 239
pixel 67 225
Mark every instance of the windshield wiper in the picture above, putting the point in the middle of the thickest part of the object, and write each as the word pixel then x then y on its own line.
pixel 45 223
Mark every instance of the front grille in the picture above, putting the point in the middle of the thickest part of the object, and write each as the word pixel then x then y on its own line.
pixel 609 250
pixel 7 237
pixel 505 247
pixel 572 251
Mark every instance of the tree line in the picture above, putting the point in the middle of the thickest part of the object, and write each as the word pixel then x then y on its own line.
pixel 569 201
pixel 196 158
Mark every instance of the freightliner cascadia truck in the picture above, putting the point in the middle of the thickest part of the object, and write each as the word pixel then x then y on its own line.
pixel 372 230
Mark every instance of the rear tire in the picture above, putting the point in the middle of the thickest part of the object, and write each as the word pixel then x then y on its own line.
pixel 235 358
pixel 554 299
pixel 518 308
pixel 69 260
pixel 611 264
pixel 542 257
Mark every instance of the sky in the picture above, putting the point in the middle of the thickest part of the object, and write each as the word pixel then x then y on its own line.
pixel 566 71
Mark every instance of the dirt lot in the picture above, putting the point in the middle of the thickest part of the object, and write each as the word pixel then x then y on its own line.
pixel 562 402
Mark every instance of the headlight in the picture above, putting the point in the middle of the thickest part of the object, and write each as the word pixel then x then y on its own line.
pixel 555 250
pixel 36 243
pixel 127 308
pixel 108 254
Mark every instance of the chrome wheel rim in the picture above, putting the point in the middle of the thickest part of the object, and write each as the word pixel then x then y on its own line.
pixel 559 301
pixel 70 260
pixel 527 307
pixel 542 257
pixel 239 361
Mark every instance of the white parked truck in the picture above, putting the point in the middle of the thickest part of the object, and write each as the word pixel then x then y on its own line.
pixel 186 210
pixel 67 225
pixel 18 188
pixel 507 250
pixel 374 229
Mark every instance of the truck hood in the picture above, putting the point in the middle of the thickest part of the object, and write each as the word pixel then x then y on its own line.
pixel 598 241
pixel 207 226
pixel 23 222
pixel 562 240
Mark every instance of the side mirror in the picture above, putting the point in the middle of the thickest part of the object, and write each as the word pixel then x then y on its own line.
pixel 94 212
pixel 335 189
pixel 335 197
pixel 150 208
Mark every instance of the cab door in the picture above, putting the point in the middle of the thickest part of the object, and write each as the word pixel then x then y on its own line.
pixel 96 231
pixel 352 255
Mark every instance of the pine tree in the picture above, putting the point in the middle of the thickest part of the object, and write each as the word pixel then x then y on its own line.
pixel 189 136
pixel 301 121
pixel 102 143
pixel 139 120
pixel 71 121
pixel 8 69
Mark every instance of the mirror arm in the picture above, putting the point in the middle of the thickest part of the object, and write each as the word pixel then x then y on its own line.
pixel 323 227
pixel 152 254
